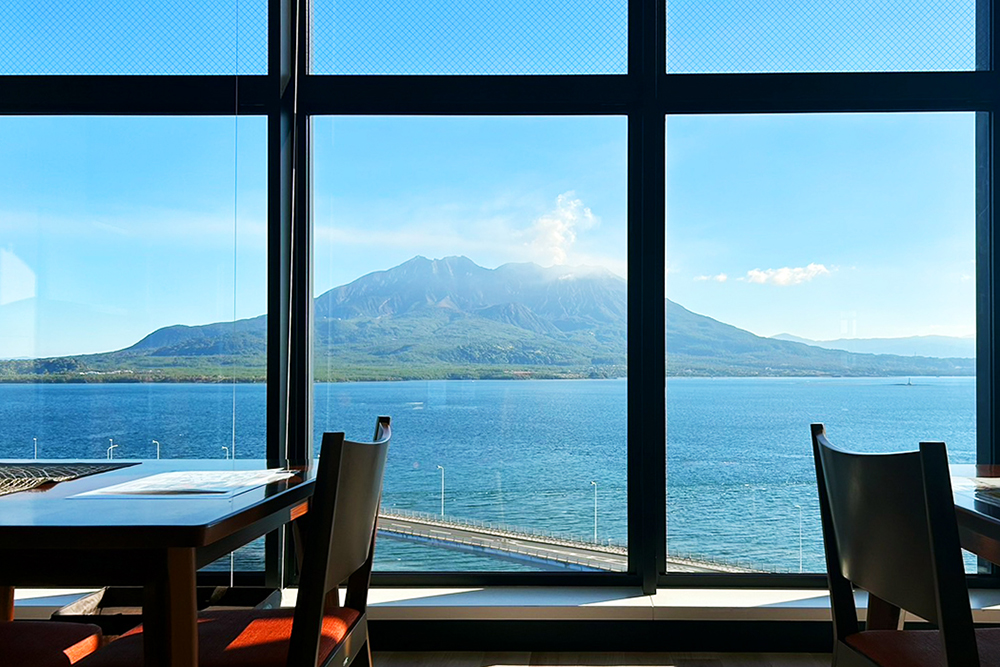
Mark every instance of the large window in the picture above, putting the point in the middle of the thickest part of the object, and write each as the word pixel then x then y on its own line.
pixel 471 281
pixel 451 214
pixel 132 289
pixel 820 268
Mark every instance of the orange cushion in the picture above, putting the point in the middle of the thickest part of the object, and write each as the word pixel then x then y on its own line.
pixel 248 638
pixel 919 648
pixel 47 644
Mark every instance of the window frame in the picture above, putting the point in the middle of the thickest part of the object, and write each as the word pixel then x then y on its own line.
pixel 288 95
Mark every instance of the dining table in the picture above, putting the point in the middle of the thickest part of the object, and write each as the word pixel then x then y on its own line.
pixel 976 489
pixel 150 523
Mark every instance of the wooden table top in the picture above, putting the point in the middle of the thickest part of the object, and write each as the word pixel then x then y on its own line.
pixel 56 517
pixel 978 518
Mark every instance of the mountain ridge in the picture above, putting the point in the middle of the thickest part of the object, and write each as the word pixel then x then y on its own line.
pixel 451 318
pixel 922 346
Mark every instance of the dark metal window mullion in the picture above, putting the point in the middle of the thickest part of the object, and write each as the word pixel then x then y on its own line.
pixel 986 340
pixel 280 161
pixel 300 372
pixel 646 260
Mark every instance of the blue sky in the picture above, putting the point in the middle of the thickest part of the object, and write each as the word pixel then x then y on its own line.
pixel 515 189
pixel 113 227
pixel 824 226
pixel 820 226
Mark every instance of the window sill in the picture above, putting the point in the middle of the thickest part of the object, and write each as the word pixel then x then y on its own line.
pixel 500 603
pixel 620 604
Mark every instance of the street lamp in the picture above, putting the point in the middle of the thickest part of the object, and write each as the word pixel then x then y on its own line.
pixel 799 507
pixel 594 484
pixel 441 468
pixel 111 449
pixel 156 442
pixel 503 517
pixel 227 451
pixel 36 446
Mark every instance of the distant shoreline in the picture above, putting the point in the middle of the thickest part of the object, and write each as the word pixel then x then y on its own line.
pixel 392 377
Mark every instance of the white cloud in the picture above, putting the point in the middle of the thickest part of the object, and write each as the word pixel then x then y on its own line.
pixel 787 275
pixel 554 233
pixel 720 278
pixel 492 231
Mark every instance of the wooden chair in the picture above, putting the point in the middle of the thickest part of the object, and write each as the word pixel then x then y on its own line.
pixel 339 539
pixel 889 527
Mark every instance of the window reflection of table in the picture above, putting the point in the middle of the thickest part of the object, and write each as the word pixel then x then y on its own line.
pixel 50 538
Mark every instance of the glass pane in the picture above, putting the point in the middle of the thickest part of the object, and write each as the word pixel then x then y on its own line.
pixel 435 37
pixel 821 35
pixel 470 282
pixel 132 288
pixel 134 37
pixel 821 268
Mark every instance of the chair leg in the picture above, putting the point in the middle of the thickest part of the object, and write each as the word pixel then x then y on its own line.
pixel 364 656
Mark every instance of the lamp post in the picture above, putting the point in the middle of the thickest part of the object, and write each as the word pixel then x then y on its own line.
pixel 441 468
pixel 799 508
pixel 503 518
pixel 35 440
pixel 111 449
pixel 227 451
pixel 157 443
pixel 594 484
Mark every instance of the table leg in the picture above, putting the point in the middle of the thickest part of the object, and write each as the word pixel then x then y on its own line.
pixel 6 603
pixel 170 613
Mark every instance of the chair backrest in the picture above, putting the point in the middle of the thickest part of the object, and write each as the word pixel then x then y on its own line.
pixel 889 527
pixel 340 534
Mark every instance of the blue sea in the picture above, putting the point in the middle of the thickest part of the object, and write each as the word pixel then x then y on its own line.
pixel 740 478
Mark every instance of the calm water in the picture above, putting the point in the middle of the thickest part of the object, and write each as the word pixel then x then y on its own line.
pixel 525 453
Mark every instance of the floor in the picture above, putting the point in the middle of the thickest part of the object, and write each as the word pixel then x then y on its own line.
pixel 473 659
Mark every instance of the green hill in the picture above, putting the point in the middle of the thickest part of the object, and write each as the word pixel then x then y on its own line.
pixel 450 318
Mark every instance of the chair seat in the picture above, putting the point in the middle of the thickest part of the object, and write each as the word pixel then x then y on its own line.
pixel 248 638
pixel 47 644
pixel 919 648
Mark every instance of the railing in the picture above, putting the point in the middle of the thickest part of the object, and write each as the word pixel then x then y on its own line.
pixel 479 544
pixel 504 531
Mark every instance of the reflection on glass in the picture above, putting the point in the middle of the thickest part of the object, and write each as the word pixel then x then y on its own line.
pixel 470 281
pixel 820 269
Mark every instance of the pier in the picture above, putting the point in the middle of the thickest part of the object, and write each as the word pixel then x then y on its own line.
pixel 543 549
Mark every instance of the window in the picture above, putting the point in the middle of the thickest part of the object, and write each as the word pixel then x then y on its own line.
pixel 134 37
pixel 819 36
pixel 437 137
pixel 808 241
pixel 470 280
pixel 133 282
pixel 449 37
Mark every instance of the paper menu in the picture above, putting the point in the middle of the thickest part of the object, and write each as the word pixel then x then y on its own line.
pixel 193 482
pixel 990 484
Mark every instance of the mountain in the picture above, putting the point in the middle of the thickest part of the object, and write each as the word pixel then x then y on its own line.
pixel 700 346
pixel 454 313
pixel 569 298
pixel 920 346
pixel 451 318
